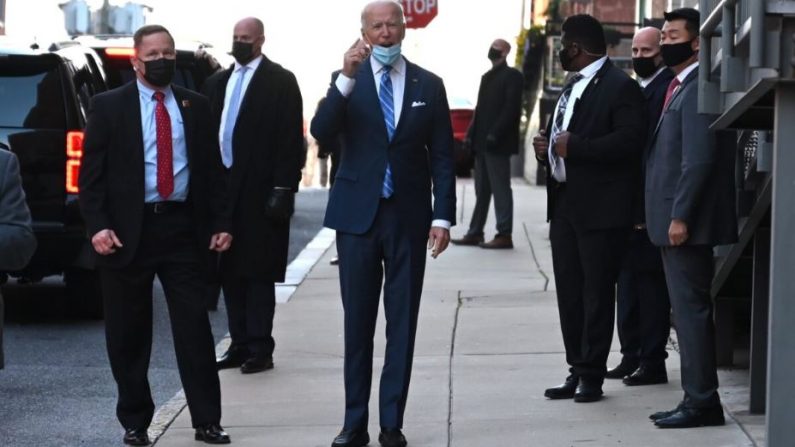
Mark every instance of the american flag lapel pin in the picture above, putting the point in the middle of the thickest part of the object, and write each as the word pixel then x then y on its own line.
pixel 185 103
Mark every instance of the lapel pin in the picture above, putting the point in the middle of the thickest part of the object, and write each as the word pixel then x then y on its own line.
pixel 413 79
pixel 185 103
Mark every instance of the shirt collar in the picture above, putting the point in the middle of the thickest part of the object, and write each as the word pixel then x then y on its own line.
pixel 683 75
pixel 398 67
pixel 644 82
pixel 148 93
pixel 253 64
pixel 590 70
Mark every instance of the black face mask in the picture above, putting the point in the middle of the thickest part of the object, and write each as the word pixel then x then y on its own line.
pixel 565 59
pixel 644 66
pixel 243 52
pixel 494 54
pixel 674 54
pixel 160 72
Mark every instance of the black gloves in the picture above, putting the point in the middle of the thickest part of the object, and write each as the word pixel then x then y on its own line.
pixel 280 205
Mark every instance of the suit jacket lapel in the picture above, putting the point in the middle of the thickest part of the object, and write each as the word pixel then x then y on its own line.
pixel 592 85
pixel 409 92
pixel 369 91
pixel 187 120
pixel 693 75
pixel 134 122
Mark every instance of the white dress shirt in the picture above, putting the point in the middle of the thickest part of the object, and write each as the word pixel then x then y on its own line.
pixel 644 82
pixel 397 75
pixel 576 92
pixel 683 75
pixel 230 87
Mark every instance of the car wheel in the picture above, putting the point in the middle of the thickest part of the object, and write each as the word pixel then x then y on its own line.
pixel 84 293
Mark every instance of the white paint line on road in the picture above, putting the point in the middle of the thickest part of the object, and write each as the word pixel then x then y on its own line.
pixel 296 273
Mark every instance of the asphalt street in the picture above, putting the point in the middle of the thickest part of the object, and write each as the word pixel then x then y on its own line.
pixel 57 388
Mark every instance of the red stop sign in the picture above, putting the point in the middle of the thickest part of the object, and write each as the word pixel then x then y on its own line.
pixel 419 13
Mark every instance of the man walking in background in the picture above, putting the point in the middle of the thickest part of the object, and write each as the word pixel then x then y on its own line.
pixel 397 155
pixel 690 208
pixel 493 135
pixel 153 196
pixel 643 316
pixel 596 138
pixel 258 112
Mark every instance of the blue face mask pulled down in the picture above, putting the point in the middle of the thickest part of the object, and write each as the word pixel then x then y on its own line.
pixel 386 55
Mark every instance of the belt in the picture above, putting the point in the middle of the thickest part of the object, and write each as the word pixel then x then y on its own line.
pixel 164 207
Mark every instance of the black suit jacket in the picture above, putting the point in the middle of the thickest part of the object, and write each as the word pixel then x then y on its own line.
pixel 112 172
pixel 608 131
pixel 267 151
pixel 498 111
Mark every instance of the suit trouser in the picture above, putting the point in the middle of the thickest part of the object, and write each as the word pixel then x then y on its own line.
pixel 250 306
pixel 643 316
pixel 395 254
pixel 169 250
pixel 689 270
pixel 492 177
pixel 586 264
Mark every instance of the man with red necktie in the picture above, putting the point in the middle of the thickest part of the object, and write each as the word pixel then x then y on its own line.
pixel 153 196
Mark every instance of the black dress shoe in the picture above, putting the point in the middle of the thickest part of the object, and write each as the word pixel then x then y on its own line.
pixel 565 390
pixel 257 364
pixel 647 375
pixel 351 438
pixel 232 358
pixel 212 434
pixel 664 414
pixel 136 436
pixel 588 391
pixel 693 417
pixel 392 437
pixel 625 368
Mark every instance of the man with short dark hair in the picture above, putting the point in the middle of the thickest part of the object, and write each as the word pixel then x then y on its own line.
pixel 592 148
pixel 690 208
pixel 493 136
pixel 153 197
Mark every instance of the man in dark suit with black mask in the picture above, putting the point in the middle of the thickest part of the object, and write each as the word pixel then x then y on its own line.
pixel 690 208
pixel 592 148
pixel 643 310
pixel 153 197
pixel 259 115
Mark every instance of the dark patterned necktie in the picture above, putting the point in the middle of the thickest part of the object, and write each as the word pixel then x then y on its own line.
pixel 165 165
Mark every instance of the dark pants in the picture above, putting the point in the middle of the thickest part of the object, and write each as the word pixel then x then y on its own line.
pixel 250 305
pixel 643 308
pixel 394 254
pixel 168 249
pixel 492 177
pixel 689 271
pixel 586 264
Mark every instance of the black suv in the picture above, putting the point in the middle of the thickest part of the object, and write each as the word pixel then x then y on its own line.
pixel 45 95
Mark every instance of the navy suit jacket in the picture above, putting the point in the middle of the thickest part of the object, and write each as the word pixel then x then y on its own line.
pixel 420 154
pixel 690 174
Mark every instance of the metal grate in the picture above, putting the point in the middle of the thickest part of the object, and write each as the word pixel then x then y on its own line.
pixel 749 152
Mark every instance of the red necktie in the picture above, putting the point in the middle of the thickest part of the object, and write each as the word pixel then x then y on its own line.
pixel 670 92
pixel 165 166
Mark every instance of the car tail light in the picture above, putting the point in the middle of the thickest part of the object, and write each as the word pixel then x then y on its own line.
pixel 74 154
pixel 120 52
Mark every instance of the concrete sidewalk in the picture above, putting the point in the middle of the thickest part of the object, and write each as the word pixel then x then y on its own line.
pixel 488 345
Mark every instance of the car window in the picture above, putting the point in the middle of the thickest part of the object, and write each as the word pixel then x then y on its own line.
pixel 31 93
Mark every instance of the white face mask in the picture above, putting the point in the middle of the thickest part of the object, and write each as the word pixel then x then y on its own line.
pixel 386 55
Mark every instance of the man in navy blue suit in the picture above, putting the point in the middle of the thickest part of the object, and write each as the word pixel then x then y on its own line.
pixel 396 157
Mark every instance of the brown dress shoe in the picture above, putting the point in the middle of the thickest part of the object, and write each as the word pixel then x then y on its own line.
pixel 469 239
pixel 499 241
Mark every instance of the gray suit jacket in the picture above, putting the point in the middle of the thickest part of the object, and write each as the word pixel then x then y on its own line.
pixel 17 242
pixel 690 174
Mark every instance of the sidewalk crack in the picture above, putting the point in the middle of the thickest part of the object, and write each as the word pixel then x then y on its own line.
pixel 535 258
pixel 450 372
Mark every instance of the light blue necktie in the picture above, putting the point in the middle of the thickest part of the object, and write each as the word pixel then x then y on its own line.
pixel 231 118
pixel 388 108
